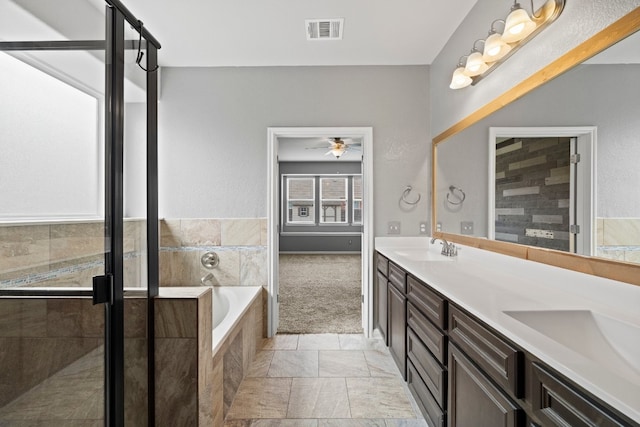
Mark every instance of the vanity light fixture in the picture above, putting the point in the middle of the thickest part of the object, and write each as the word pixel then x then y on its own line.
pixel 519 28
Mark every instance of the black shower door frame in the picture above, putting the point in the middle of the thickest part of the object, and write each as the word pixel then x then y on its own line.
pixel 112 295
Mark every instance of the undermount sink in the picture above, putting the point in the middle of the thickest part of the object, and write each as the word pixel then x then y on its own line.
pixel 422 255
pixel 610 342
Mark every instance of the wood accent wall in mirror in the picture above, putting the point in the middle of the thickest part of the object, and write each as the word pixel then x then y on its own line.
pixel 593 88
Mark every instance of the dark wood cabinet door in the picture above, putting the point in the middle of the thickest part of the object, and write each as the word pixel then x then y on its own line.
pixel 380 306
pixel 398 328
pixel 558 403
pixel 474 400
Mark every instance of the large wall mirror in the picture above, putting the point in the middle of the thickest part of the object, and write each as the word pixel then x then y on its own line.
pixel 553 176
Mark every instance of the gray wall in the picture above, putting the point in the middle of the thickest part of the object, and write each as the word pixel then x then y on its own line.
pixel 213 133
pixel 605 96
pixel 580 20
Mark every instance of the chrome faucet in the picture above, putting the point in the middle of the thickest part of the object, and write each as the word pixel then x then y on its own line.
pixel 448 249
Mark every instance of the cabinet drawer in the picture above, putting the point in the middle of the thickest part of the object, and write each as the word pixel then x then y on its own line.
pixel 500 360
pixel 383 265
pixel 433 415
pixel 398 277
pixel 557 403
pixel 432 337
pixel 431 372
pixel 429 302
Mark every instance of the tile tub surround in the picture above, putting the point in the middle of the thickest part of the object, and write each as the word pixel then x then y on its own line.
pixel 324 380
pixel 486 284
pixel 241 245
pixel 619 239
pixel 193 385
pixel 66 253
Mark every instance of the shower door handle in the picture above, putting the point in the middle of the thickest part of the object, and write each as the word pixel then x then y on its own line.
pixel 103 289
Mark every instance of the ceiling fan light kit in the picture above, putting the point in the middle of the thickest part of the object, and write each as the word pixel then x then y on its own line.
pixel 338 146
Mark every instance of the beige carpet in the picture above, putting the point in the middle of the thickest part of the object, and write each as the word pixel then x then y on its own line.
pixel 320 294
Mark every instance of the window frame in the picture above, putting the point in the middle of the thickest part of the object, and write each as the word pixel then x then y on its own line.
pixel 288 200
pixel 321 201
pixel 355 199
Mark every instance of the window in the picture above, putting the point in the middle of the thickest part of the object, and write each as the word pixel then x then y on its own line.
pixel 333 201
pixel 301 200
pixel 357 199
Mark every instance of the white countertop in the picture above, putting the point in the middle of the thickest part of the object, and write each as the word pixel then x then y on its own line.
pixel 487 284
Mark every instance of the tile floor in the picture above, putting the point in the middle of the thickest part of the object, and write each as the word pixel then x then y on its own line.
pixel 323 380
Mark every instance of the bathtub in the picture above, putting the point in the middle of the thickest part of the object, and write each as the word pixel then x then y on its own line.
pixel 230 303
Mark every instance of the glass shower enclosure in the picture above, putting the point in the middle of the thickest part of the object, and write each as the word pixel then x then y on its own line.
pixel 78 214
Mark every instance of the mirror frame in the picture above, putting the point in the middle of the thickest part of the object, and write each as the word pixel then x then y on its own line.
pixel 602 267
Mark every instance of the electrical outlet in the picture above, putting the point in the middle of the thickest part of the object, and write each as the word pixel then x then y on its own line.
pixel 424 227
pixel 393 227
pixel 438 226
pixel 466 227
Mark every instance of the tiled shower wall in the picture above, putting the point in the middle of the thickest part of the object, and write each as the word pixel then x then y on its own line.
pixel 619 239
pixel 65 254
pixel 241 245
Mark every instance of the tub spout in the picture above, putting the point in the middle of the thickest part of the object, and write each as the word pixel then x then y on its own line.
pixel 206 278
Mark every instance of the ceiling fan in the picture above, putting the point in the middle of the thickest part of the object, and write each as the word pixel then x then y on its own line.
pixel 338 146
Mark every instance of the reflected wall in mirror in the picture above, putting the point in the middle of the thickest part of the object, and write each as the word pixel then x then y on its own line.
pixel 542 187
pixel 602 93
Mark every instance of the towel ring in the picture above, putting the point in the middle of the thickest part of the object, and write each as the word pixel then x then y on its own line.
pixel 406 192
pixel 452 190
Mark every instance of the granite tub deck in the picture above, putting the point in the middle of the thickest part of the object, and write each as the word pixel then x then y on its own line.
pixel 196 384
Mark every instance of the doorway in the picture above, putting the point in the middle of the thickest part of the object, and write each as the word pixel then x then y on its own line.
pixel 275 226
pixel 542 187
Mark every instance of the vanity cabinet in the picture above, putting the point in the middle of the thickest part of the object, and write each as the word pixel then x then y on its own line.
pixel 397 317
pixel 462 372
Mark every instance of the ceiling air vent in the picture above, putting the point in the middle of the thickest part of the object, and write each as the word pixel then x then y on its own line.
pixel 324 29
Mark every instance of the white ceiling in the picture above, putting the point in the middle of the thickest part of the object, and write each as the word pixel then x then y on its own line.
pixel 272 33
